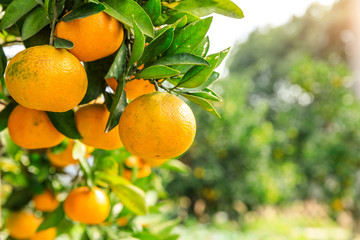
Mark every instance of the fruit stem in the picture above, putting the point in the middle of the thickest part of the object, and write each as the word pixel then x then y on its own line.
pixel 53 24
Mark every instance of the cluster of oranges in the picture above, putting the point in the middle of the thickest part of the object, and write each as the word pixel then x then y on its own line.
pixel 154 126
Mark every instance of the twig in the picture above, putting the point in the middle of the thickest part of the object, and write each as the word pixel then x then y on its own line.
pixel 51 42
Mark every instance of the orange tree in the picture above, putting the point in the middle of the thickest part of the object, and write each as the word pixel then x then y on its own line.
pixel 93 105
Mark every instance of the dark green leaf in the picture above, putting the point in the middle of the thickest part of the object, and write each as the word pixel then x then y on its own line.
pixel 198 75
pixel 125 10
pixel 52 219
pixel 181 59
pixel 117 107
pixel 139 44
pixel 33 23
pixel 3 61
pixel 63 43
pixel 18 199
pixel 157 46
pixel 5 113
pixel 132 197
pixel 40 38
pixel 83 11
pixel 117 67
pixel 178 15
pixel 14 12
pixel 157 72
pixel 40 2
pixel 190 37
pixel 207 94
pixel 202 103
pixel 178 24
pixel 64 122
pixel 49 8
pixel 153 9
pixel 205 7
pixel 96 72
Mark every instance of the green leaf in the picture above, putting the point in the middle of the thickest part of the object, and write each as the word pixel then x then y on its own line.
pixel 157 46
pixel 205 7
pixel 13 12
pixel 40 38
pixel 96 72
pixel 63 43
pixel 178 15
pixel 117 107
pixel 153 9
pixel 33 23
pixel 40 2
pixel 60 147
pixel 178 24
pixel 176 166
pixel 64 122
pixel 207 94
pixel 198 75
pixel 139 44
pixel 49 9
pixel 202 103
pixel 107 165
pixel 83 11
pixel 190 37
pixel 213 77
pixel 132 197
pixel 181 59
pixel 5 113
pixel 3 61
pixel 118 66
pixel 52 219
pixel 125 10
pixel 157 72
pixel 18 199
pixel 203 48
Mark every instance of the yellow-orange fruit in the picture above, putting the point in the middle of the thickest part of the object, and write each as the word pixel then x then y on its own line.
pixel 22 225
pixel 45 201
pixel 48 234
pixel 155 162
pixel 45 78
pixel 123 221
pixel 144 169
pixel 32 129
pixel 135 88
pixel 91 122
pixel 94 37
pixel 85 205
pixel 157 126
pixel 64 158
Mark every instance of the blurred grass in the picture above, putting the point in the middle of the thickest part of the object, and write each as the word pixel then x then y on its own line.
pixel 270 223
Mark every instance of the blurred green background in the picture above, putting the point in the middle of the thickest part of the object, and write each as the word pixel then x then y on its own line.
pixel 283 162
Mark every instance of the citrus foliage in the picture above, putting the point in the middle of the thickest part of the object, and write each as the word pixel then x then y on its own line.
pixel 52 178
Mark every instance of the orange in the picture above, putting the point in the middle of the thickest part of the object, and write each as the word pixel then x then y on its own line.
pixel 48 234
pixel 63 158
pixel 22 224
pixel 157 126
pixel 155 162
pixel 144 169
pixel 91 122
pixel 45 78
pixel 94 37
pixel 135 88
pixel 45 201
pixel 85 205
pixel 32 129
pixel 123 221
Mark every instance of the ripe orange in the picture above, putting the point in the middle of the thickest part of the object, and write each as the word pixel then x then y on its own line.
pixel 22 224
pixel 45 201
pixel 85 205
pixel 144 169
pixel 63 158
pixel 91 122
pixel 123 221
pixel 157 126
pixel 48 234
pixel 32 129
pixel 45 78
pixel 135 88
pixel 94 37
